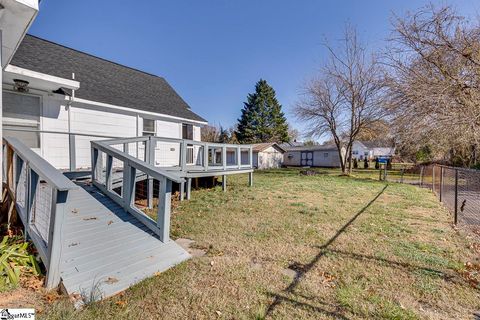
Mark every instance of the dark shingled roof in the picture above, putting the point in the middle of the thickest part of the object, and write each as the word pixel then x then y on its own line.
pixel 102 80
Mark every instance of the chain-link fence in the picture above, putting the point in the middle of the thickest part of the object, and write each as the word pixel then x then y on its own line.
pixel 458 189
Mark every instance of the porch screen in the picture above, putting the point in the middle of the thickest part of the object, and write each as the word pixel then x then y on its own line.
pixel 21 114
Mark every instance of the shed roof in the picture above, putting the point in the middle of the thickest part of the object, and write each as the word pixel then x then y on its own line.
pixel 259 147
pixel 102 80
pixel 314 148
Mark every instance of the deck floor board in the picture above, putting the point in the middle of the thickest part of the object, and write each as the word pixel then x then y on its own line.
pixel 105 249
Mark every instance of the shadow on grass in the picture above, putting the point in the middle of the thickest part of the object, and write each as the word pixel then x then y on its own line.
pixel 278 299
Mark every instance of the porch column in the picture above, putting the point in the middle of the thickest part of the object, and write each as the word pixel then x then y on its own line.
pixel 224 182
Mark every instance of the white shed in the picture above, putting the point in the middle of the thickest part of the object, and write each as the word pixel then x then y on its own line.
pixel 312 156
pixel 267 155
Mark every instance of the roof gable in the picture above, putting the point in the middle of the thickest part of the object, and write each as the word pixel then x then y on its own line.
pixel 102 80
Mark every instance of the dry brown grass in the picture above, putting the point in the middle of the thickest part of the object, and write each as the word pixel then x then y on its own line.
pixel 398 258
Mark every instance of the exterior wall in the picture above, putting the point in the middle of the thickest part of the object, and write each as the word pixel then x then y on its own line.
pixel 293 158
pixel 96 120
pixel 268 159
pixel 327 158
pixel 359 151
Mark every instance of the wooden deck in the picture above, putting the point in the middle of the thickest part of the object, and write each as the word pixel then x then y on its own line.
pixel 96 262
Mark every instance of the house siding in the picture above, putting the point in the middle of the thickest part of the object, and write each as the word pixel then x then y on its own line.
pixel 95 120
pixel 293 158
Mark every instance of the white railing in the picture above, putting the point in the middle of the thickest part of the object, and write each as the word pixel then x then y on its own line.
pixel 40 193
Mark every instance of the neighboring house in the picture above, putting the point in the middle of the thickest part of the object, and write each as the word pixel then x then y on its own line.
pixel 312 156
pixel 267 155
pixel 51 91
pixel 372 150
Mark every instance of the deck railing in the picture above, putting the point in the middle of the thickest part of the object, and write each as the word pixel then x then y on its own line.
pixel 39 193
pixel 109 165
pixel 182 154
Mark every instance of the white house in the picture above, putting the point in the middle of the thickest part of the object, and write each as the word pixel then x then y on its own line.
pixel 267 155
pixel 371 150
pixel 58 99
pixel 312 156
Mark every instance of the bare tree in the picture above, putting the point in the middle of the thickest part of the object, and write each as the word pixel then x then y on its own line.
pixel 434 79
pixel 210 133
pixel 345 98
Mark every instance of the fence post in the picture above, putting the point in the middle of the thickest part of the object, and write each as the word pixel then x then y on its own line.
pixel 440 187
pixel 421 175
pixel 455 216
pixel 433 178
pixel 403 172
pixel 239 157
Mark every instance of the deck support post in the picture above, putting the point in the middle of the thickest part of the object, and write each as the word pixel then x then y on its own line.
pixel 164 202
pixel 182 191
pixel 150 192
pixel 55 238
pixel 189 188
pixel 224 183
pixel 250 179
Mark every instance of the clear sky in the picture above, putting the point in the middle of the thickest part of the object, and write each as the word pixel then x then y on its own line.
pixel 213 51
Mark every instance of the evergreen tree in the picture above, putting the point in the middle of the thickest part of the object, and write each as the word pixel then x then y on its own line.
pixel 262 119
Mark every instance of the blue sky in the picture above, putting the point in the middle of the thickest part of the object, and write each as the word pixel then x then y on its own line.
pixel 212 52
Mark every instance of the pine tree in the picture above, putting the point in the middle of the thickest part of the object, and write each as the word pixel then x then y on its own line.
pixel 262 119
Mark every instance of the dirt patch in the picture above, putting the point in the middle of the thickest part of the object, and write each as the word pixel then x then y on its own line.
pixel 188 245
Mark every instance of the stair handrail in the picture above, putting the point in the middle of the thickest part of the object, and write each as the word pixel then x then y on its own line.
pixel 28 175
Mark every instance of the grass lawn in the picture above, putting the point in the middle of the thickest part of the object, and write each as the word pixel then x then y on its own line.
pixel 313 247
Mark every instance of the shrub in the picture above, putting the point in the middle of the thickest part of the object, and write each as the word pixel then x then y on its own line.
pixel 15 260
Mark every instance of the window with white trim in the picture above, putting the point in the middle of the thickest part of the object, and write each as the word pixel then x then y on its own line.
pixel 148 127
pixel 21 117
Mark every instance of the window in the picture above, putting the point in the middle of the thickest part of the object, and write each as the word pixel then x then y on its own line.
pixel 355 152
pixel 21 114
pixel 148 127
pixel 187 131
pixel 325 155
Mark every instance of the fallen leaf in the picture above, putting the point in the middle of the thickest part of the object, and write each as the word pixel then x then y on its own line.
pixel 121 303
pixel 91 218
pixel 110 222
pixel 111 280
pixel 218 312
pixel 75 210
